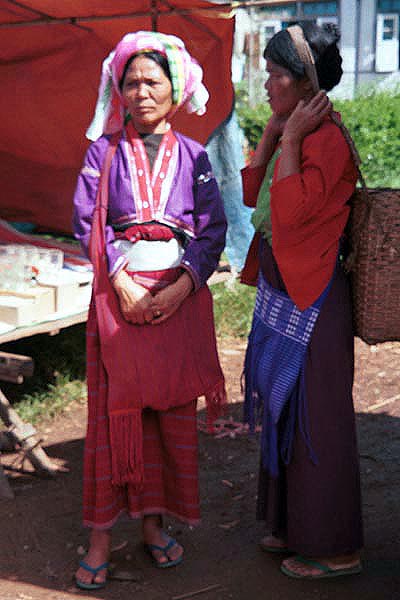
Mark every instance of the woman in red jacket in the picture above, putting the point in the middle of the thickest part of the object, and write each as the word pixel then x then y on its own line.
pixel 299 361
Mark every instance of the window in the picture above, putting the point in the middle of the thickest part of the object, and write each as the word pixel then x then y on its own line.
pixel 298 10
pixel 388 29
pixel 387 6
pixel 287 10
pixel 320 9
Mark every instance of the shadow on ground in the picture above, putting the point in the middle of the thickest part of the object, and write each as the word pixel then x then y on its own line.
pixel 41 532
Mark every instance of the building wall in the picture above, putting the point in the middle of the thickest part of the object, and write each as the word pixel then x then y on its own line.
pixel 366 61
pixel 357 20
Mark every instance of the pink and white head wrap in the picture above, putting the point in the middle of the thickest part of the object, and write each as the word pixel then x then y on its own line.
pixel 186 74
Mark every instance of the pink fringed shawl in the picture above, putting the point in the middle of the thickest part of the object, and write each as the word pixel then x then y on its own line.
pixel 156 366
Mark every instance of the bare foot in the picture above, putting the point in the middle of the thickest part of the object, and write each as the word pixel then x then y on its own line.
pixel 99 552
pixel 305 568
pixel 154 535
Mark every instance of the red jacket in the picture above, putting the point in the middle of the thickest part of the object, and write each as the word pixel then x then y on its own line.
pixel 309 211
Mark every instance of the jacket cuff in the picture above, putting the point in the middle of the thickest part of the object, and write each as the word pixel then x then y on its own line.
pixel 186 266
pixel 252 178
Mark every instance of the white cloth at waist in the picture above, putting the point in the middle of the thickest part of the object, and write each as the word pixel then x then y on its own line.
pixel 147 255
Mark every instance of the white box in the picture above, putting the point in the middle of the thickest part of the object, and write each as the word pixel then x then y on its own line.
pixel 17 311
pixel 65 287
pixel 24 308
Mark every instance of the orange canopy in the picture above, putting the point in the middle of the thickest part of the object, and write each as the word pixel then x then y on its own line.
pixel 50 61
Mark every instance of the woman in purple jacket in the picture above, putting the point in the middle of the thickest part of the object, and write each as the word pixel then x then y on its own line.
pixel 150 336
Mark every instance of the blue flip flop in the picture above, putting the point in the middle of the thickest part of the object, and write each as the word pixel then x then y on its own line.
pixel 325 571
pixel 95 585
pixel 273 549
pixel 164 551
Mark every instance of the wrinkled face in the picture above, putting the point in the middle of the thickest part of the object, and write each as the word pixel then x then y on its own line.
pixel 147 93
pixel 284 91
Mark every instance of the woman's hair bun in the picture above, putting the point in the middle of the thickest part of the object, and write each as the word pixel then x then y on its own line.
pixel 323 43
pixel 333 30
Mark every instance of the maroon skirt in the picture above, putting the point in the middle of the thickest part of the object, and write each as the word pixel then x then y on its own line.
pixel 317 508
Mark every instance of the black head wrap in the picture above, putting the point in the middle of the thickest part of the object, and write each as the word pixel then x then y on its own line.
pixel 323 43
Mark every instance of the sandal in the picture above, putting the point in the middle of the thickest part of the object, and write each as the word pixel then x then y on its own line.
pixel 95 585
pixel 324 570
pixel 270 546
pixel 150 548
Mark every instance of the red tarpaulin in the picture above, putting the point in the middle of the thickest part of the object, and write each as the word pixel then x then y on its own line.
pixel 50 59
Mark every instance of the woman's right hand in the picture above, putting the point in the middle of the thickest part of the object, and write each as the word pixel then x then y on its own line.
pixel 134 300
pixel 306 117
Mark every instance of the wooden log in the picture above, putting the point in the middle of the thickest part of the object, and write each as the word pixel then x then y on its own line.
pixel 23 434
pixel 14 367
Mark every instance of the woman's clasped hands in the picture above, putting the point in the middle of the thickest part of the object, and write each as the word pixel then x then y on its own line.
pixel 140 307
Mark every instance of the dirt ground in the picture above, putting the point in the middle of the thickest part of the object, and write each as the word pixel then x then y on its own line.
pixel 41 536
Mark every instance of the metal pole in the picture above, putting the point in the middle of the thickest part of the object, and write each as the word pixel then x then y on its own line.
pixel 357 44
pixel 250 72
pixel 154 15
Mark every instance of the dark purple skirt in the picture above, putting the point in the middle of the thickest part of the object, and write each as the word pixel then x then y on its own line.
pixel 317 508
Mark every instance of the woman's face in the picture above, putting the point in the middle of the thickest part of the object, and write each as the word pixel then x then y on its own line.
pixel 284 91
pixel 147 93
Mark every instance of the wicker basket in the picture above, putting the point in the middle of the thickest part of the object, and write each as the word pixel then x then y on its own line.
pixel 374 232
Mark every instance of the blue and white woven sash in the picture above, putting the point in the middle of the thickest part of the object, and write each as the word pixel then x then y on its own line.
pixel 274 371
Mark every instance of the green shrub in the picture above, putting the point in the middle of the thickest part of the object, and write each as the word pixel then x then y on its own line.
pixel 373 120
pixel 52 400
pixel 233 309
pixel 252 121
pixel 374 123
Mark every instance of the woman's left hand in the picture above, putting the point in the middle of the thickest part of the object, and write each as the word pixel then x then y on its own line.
pixel 306 117
pixel 169 299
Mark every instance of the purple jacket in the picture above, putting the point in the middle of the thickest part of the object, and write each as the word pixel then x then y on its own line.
pixel 194 205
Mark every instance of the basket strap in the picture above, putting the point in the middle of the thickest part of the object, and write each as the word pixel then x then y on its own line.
pixel 351 259
pixel 353 150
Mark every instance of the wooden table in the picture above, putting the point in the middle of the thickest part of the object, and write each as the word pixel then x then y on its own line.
pixel 52 327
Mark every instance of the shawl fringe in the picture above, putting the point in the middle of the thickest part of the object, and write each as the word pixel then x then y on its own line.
pixel 127 454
